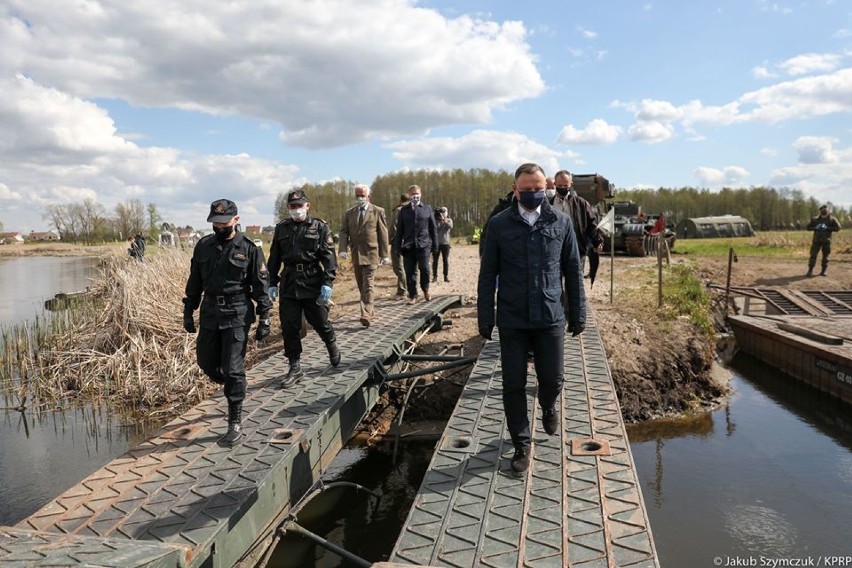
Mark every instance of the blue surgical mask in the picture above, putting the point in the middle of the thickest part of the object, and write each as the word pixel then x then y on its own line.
pixel 360 201
pixel 530 200
pixel 415 200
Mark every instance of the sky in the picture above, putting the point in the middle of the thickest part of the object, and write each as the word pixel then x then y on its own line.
pixel 182 103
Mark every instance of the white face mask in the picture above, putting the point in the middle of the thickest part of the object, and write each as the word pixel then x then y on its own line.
pixel 550 193
pixel 415 200
pixel 299 214
pixel 360 201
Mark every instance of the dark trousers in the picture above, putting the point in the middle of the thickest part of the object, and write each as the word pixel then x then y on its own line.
pixel 825 247
pixel 398 270
pixel 290 311
pixel 547 348
pixel 444 253
pixel 221 355
pixel 414 259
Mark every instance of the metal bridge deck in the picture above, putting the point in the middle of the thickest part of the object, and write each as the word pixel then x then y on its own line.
pixel 179 499
pixel 575 506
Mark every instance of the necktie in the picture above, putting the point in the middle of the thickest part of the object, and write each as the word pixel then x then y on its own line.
pixel 360 214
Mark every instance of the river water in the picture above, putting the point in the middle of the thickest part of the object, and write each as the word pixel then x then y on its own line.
pixel 767 475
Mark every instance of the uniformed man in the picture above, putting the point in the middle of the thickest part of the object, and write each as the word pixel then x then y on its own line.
pixel 304 246
pixel 229 270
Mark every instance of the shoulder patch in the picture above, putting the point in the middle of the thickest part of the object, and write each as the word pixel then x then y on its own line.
pixel 239 256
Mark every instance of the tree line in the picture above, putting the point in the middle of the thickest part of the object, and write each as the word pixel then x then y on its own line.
pixel 89 222
pixel 469 195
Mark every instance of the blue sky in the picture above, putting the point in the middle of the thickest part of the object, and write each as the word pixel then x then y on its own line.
pixel 181 103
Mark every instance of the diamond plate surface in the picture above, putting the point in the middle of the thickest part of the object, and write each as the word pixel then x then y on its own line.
pixel 20 547
pixel 566 510
pixel 180 488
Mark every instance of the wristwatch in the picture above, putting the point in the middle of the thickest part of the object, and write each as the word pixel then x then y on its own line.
pixel 264 322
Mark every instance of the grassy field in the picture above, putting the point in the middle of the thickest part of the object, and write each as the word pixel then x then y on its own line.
pixel 770 243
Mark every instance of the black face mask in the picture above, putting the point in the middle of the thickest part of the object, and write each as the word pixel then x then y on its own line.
pixel 562 191
pixel 223 233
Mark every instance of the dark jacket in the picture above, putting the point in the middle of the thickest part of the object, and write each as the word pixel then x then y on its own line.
pixel 502 204
pixel 306 252
pixel 530 262
pixel 229 276
pixel 584 219
pixel 416 228
pixel 823 227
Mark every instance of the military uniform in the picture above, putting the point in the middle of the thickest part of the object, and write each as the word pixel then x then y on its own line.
pixel 823 227
pixel 225 279
pixel 302 260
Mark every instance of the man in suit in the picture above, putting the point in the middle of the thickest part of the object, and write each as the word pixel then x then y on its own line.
pixel 416 237
pixel 531 247
pixel 396 255
pixel 364 232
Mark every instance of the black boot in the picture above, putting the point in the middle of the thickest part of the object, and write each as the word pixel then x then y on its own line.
pixel 822 272
pixel 810 271
pixel 333 354
pixel 294 374
pixel 235 432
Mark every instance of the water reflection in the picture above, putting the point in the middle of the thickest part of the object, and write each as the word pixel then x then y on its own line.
pixel 766 474
pixel 45 454
pixel 354 520
pixel 26 282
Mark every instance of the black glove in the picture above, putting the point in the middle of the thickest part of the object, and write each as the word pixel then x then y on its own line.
pixel 576 328
pixel 485 331
pixel 262 329
pixel 189 323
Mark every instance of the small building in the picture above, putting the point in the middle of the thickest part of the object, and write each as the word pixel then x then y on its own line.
pixel 711 227
pixel 253 230
pixel 11 239
pixel 42 236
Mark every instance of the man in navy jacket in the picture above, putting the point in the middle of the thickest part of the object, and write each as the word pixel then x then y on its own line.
pixel 531 247
pixel 417 240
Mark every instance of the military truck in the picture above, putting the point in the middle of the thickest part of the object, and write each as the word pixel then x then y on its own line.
pixel 633 227
pixel 595 189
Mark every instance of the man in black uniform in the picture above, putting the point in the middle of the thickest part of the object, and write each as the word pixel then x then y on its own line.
pixel 304 246
pixel 229 270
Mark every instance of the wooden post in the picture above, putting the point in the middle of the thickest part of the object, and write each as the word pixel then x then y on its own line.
pixel 728 284
pixel 659 272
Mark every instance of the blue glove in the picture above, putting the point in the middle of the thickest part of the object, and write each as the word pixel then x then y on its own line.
pixel 273 293
pixel 325 293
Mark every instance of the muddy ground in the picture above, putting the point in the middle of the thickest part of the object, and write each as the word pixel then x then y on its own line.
pixel 660 368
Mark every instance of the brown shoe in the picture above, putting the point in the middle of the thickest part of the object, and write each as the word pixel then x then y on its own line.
pixel 365 321
pixel 427 296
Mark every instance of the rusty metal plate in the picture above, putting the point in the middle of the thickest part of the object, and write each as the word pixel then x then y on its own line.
pixel 568 509
pixel 180 488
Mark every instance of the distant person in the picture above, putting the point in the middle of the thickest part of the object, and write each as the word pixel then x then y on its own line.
pixel 531 248
pixel 417 239
pixel 396 254
pixel 502 204
pixel 364 232
pixel 131 249
pixel 302 251
pixel 228 279
pixel 822 225
pixel 550 190
pixel 139 241
pixel 444 224
pixel 583 216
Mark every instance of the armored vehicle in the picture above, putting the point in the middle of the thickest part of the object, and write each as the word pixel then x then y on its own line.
pixel 634 230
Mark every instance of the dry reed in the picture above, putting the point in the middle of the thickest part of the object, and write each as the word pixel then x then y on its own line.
pixel 125 344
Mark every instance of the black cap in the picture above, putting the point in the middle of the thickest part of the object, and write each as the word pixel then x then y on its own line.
pixel 823 206
pixel 297 197
pixel 222 211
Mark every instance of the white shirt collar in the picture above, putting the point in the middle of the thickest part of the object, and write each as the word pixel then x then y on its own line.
pixel 530 216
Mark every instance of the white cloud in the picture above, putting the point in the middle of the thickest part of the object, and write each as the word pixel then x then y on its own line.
pixel 810 63
pixel 596 132
pixel 815 150
pixel 479 149
pixel 60 149
pixel 7 194
pixel 762 72
pixel 294 64
pixel 650 132
pixel 769 151
pixel 713 177
pixel 588 34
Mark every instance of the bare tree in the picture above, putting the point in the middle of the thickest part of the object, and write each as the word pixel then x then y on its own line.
pixel 129 218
